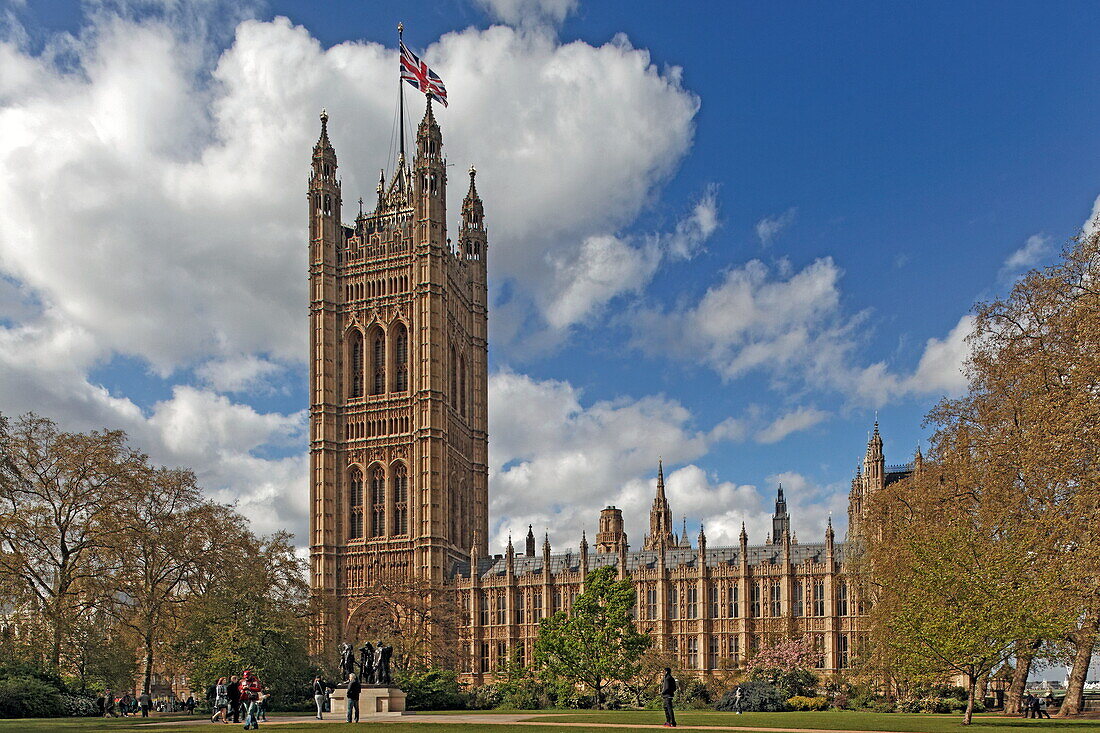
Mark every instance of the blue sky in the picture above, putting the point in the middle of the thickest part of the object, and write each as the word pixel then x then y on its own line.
pixel 725 233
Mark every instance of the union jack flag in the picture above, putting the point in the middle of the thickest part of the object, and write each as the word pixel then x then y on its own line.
pixel 417 73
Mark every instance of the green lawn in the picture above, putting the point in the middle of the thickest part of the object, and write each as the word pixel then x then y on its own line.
pixel 627 719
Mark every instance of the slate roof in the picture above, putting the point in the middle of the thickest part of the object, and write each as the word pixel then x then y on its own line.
pixel 716 556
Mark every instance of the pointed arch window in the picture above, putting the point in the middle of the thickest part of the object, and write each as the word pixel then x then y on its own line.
pixel 355 365
pixel 378 502
pixel 378 362
pixel 462 386
pixel 355 503
pixel 401 359
pixel 400 499
pixel 454 378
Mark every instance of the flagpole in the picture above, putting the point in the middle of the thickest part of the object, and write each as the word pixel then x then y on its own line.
pixel 401 91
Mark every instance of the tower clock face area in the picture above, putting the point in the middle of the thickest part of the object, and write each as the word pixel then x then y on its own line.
pixel 398 375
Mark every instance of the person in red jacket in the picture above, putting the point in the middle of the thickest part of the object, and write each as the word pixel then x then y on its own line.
pixel 251 691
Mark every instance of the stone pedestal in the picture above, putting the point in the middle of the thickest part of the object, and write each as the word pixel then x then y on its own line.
pixel 372 701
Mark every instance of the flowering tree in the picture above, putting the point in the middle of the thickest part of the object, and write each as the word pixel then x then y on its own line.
pixel 786 663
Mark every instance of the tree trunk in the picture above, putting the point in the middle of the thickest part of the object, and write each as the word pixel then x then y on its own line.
pixel 148 664
pixel 971 689
pixel 1025 652
pixel 1085 640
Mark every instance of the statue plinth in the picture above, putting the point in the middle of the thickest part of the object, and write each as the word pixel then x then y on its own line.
pixel 380 700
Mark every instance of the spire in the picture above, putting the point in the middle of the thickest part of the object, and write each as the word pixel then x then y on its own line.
pixel 584 542
pixel 323 145
pixel 660 517
pixel 660 479
pixel 781 520
pixel 744 536
pixel 530 547
pixel 473 211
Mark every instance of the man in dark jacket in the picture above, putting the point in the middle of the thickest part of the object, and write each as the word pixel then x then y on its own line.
pixel 354 688
pixel 233 692
pixel 668 690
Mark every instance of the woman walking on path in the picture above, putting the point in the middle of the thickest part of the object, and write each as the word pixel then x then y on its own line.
pixel 221 701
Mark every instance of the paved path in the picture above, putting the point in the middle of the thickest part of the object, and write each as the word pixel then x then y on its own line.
pixel 531 719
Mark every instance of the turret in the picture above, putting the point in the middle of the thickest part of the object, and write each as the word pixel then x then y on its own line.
pixel 584 554
pixel 510 558
pixel 610 535
pixel 546 552
pixel 325 229
pixel 430 171
pixel 660 517
pixel 918 461
pixel 781 520
pixel 829 539
pixel 530 548
pixel 472 236
pixel 874 462
pixel 702 548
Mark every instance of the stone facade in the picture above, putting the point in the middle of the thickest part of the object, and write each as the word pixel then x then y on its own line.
pixel 399 454
pixel 398 381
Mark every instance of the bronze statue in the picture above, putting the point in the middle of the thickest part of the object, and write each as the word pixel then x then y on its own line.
pixel 347 659
pixel 366 663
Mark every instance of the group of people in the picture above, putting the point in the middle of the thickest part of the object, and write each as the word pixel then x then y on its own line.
pixel 108 706
pixel 238 697
pixel 1033 706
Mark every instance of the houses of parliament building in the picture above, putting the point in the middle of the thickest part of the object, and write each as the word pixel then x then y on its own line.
pixel 399 458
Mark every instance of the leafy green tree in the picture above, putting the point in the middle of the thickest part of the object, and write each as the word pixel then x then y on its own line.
pixel 596 644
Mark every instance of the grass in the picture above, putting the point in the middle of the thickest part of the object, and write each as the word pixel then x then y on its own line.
pixel 832 720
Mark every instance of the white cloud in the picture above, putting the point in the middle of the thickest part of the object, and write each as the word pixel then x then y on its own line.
pixel 770 227
pixel 790 422
pixel 791 325
pixel 249 373
pixel 528 13
pixel 1093 221
pixel 1033 251
pixel 157 204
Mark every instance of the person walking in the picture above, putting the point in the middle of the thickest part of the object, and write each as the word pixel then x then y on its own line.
pixel 1038 710
pixel 190 704
pixel 668 691
pixel 220 702
pixel 251 693
pixel 737 700
pixel 354 688
pixel 234 691
pixel 109 705
pixel 320 691
pixel 145 702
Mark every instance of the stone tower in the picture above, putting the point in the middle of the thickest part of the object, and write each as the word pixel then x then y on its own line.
pixel 781 520
pixel 660 517
pixel 398 379
pixel 611 537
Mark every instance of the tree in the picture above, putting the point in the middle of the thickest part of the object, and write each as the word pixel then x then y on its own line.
pixel 786 663
pixel 251 615
pixel 952 584
pixel 59 494
pixel 597 643
pixel 171 532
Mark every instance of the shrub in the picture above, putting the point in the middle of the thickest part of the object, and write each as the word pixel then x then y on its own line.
pixel 27 697
pixel 840 701
pixel 756 696
pixel 883 705
pixel 78 706
pixel 692 693
pixel 801 702
pixel 434 689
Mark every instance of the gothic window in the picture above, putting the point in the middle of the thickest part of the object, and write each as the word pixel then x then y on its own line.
pixel 400 499
pixel 693 652
pixel 502 655
pixel 651 603
pixel 735 649
pixel 519 606
pixel 819 598
pixel 484 612
pixel 484 657
pixel 536 603
pixel 462 386
pixel 692 609
pixel 776 600
pixel 734 600
pixel 378 362
pixel 712 657
pixel 715 605
pixel 401 359
pixel 673 602
pixel 842 598
pixel 355 364
pixel 819 651
pixel 454 378
pixel 755 609
pixel 355 503
pixel 799 607
pixel 378 501
pixel 328 204
pixel 842 652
